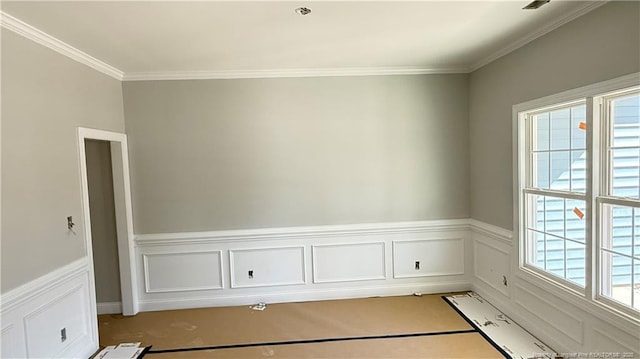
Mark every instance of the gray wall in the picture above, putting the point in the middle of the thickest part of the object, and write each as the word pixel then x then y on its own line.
pixel 104 236
pixel 45 97
pixel 598 46
pixel 255 153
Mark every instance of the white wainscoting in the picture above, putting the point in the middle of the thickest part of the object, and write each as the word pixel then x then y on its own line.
pixel 492 263
pixel 428 258
pixel 349 262
pixel 8 339
pixel 196 271
pixel 264 267
pixel 566 322
pixel 34 314
pixel 344 261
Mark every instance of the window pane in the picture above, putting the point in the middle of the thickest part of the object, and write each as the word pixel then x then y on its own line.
pixel 559 149
pixel 575 226
pixel 575 254
pixel 542 166
pixel 636 284
pixel 537 213
pixel 625 146
pixel 636 235
pixel 626 121
pixel 556 236
pixel 554 216
pixel 578 171
pixel 578 127
pixel 625 172
pixel 560 129
pixel 541 124
pixel 556 256
pixel 618 230
pixel 537 245
pixel 617 281
pixel 560 167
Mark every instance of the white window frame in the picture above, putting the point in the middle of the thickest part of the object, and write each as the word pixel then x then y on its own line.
pixel 588 297
pixel 528 189
pixel 603 115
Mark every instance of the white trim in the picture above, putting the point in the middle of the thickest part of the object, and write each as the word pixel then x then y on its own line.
pixel 348 244
pixel 594 313
pixel 583 297
pixel 517 301
pixel 618 83
pixel 305 294
pixel 23 29
pixel 31 316
pixel 495 232
pixel 145 266
pixel 341 238
pixel 39 296
pixel 8 341
pixel 620 320
pixel 126 250
pixel 394 250
pixel 232 268
pixel 109 308
pixel 613 338
pixel 584 9
pixel 30 290
pixel 184 238
pixel 477 241
pixel 286 73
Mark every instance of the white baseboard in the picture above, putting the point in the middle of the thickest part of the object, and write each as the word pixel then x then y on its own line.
pixel 305 296
pixel 109 308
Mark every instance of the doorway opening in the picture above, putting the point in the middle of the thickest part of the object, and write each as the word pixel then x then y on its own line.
pixel 104 230
pixel 104 161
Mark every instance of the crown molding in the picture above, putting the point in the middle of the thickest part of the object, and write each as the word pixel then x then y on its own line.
pixel 284 73
pixel 21 28
pixel 587 7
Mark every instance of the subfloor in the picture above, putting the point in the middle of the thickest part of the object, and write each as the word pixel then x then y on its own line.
pixel 390 327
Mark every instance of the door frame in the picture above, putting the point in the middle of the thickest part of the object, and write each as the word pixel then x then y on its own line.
pixel 124 215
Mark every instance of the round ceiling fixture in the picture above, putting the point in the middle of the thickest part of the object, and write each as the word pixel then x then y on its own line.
pixel 303 11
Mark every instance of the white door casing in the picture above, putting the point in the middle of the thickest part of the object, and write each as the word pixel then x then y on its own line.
pixel 124 214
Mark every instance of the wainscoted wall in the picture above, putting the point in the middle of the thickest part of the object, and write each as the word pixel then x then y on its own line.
pixel 566 322
pixel 241 267
pixel 238 267
pixel 33 316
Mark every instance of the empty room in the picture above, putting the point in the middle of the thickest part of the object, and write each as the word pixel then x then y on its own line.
pixel 320 179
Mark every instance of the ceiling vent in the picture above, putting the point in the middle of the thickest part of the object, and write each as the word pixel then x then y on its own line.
pixel 535 4
pixel 303 11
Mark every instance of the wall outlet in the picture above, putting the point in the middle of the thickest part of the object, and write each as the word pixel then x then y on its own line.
pixel 63 335
pixel 250 274
pixel 417 265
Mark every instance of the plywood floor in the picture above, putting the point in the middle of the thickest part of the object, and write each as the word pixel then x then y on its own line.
pixel 437 330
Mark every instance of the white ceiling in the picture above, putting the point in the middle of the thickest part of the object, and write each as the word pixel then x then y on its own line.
pixel 159 38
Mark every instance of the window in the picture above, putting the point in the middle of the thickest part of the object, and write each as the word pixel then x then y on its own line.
pixel 619 206
pixel 578 191
pixel 555 192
